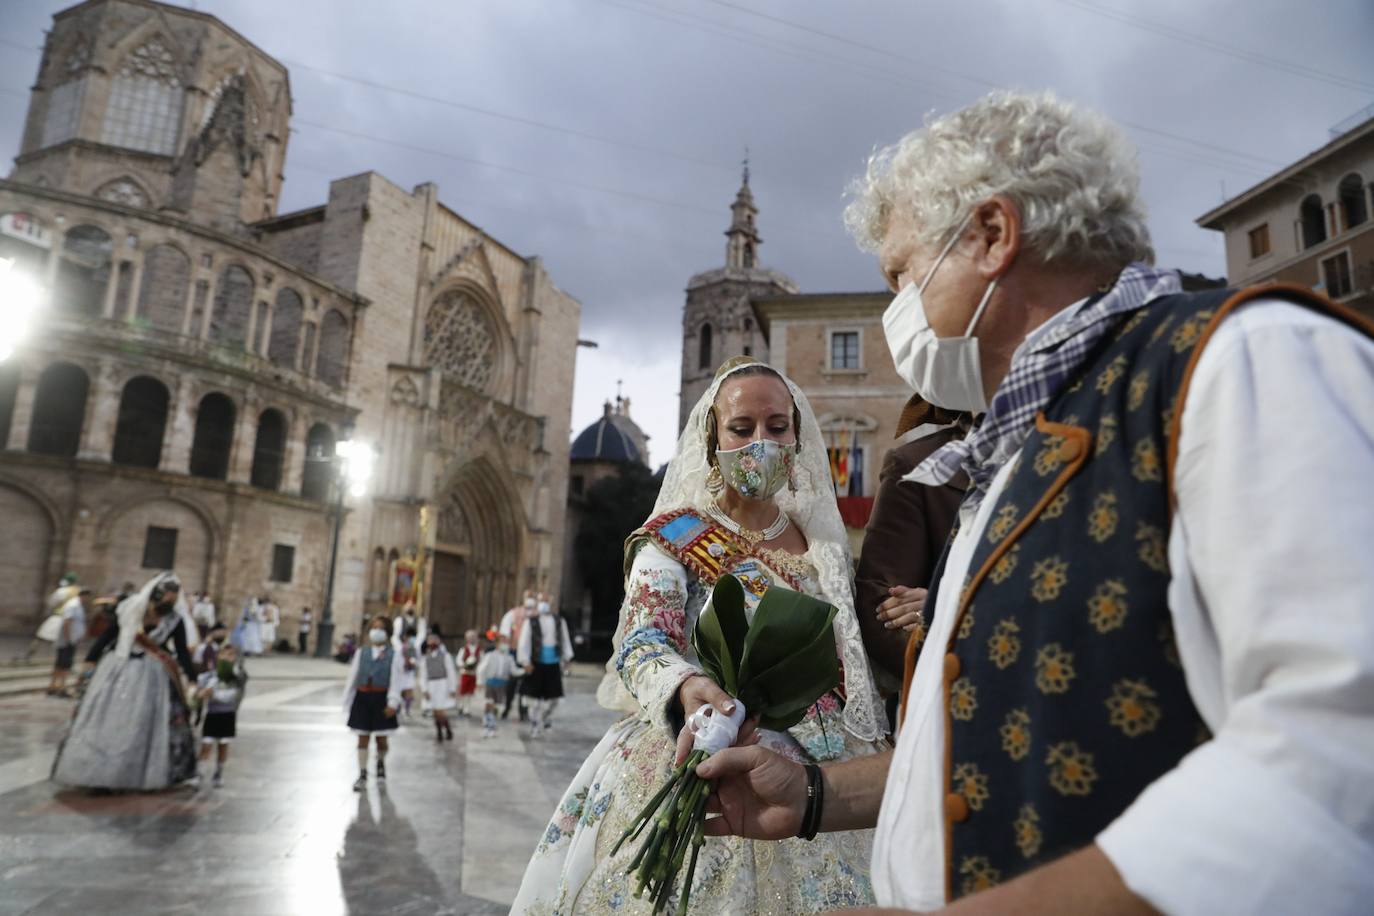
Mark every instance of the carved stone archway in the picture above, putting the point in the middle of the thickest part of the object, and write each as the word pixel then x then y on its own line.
pixel 480 548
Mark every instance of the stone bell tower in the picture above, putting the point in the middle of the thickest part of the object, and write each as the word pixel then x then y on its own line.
pixel 718 319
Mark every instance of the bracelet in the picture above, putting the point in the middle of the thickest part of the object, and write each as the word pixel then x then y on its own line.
pixel 815 797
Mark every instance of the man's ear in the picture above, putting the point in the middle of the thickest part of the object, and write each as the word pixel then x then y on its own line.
pixel 996 227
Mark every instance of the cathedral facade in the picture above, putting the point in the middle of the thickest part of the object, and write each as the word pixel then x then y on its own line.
pixel 200 355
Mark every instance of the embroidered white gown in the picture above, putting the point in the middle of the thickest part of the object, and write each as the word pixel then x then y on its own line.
pixel 572 870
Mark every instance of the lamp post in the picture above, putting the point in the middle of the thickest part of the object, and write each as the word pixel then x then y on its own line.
pixel 19 299
pixel 352 470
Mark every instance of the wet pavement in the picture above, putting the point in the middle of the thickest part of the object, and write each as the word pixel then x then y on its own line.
pixel 449 833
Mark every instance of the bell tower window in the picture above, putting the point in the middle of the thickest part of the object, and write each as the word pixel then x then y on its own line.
pixel 144 111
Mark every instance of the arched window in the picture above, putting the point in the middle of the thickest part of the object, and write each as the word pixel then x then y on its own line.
pixel 319 462
pixel 162 295
pixel 704 357
pixel 269 448
pixel 144 109
pixel 142 421
pixel 214 437
pixel 233 306
pixel 9 388
pixel 59 407
pixel 1353 206
pixel 286 328
pixel 333 359
pixel 84 271
pixel 1313 219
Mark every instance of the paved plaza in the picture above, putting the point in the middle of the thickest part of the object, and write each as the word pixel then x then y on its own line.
pixel 450 832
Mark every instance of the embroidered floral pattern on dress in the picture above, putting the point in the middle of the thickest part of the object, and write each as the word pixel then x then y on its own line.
pixel 1015 732
pixel 1071 769
pixel 1133 708
pixel 1003 644
pixel 1053 669
pixel 1107 607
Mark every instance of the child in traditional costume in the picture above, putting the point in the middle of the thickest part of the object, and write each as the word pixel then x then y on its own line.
pixel 221 691
pixel 441 684
pixel 372 695
pixel 494 672
pixel 410 665
pixel 468 657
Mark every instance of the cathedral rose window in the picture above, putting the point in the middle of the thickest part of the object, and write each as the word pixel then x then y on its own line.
pixel 461 340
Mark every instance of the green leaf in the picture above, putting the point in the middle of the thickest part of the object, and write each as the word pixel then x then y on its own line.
pixel 784 623
pixel 719 633
pixel 727 598
pixel 785 691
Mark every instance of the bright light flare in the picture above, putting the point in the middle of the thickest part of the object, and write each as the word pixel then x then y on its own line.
pixel 20 296
pixel 358 458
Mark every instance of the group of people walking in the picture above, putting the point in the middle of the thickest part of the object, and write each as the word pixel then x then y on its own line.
pixel 406 657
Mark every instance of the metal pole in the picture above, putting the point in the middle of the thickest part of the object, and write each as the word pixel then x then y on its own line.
pixel 324 633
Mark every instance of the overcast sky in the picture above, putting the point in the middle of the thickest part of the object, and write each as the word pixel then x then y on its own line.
pixel 610 132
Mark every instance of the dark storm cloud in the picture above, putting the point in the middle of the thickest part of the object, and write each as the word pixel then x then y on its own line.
pixel 698 80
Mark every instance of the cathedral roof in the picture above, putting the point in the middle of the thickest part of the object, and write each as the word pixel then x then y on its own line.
pixel 614 437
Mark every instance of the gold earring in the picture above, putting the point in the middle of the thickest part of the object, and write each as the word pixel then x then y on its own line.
pixel 715 481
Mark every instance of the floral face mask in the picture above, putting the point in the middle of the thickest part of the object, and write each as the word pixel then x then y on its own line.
pixel 759 469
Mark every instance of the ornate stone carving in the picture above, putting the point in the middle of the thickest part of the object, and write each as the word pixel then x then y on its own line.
pixel 460 339
pixel 232 119
pixel 151 60
pixel 405 392
pixel 123 191
pixel 453 522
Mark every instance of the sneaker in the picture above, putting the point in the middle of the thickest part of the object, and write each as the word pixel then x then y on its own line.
pixel 360 784
pixel 218 781
pixel 381 773
pixel 193 782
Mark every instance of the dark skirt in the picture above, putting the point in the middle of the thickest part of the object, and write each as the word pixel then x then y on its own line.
pixel 368 715
pixel 219 725
pixel 545 683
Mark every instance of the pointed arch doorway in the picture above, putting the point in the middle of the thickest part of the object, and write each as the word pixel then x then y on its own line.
pixel 478 550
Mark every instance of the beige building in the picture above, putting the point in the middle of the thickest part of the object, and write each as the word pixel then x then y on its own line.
pixel 1310 223
pixel 199 355
pixel 830 344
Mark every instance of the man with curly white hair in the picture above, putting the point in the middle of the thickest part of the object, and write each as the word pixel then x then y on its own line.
pixel 1147 681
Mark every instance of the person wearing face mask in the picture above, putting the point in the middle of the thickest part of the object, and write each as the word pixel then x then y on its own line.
pixel 205 654
pixel 749 494
pixel 220 691
pixel 1150 653
pixel 544 653
pixel 512 625
pixel 440 684
pixel 372 695
pixel 132 728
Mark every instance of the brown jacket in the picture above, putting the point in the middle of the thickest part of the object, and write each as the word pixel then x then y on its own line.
pixel 902 543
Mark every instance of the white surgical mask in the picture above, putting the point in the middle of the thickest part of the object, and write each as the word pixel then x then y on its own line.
pixel 759 469
pixel 544 608
pixel 377 635
pixel 529 603
pixel 945 371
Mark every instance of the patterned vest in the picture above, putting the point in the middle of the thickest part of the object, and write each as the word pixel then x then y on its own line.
pixel 435 669
pixel 1063 689
pixel 375 672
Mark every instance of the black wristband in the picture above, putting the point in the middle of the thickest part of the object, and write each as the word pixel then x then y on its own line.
pixel 811 817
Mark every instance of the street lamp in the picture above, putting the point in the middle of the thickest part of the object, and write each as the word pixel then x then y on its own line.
pixel 353 462
pixel 19 298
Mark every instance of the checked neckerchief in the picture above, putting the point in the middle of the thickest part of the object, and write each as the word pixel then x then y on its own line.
pixel 1040 367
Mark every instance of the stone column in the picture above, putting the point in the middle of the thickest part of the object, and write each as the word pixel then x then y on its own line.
pixel 176 454
pixel 102 413
pixel 135 281
pixel 245 436
pixel 293 461
pixel 22 417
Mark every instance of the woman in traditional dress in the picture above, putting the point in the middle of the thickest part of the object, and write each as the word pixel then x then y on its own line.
pixel 247 635
pixel 132 728
pixel 749 494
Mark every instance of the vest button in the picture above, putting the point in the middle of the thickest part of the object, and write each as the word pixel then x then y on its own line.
pixel 952 667
pixel 1070 449
pixel 956 808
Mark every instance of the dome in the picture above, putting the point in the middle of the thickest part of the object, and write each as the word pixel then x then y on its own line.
pixel 614 437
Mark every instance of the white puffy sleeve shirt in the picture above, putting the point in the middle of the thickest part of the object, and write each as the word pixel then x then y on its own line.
pixel 1271 556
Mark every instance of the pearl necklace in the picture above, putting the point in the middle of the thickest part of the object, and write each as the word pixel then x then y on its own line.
pixel 780 524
